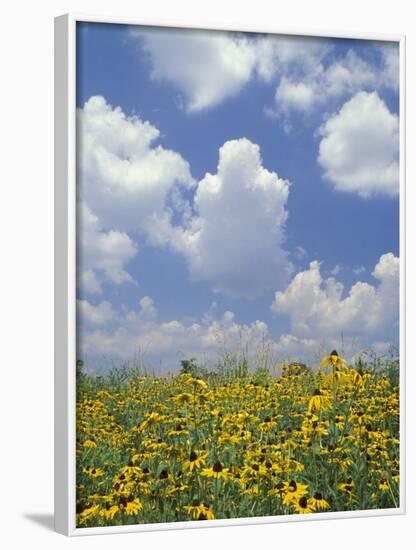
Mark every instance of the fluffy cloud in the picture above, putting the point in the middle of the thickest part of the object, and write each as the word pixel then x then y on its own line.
pixel 232 236
pixel 292 348
pixel 299 96
pixel 322 316
pixel 320 83
pixel 235 239
pixel 209 67
pixel 123 176
pixel 391 65
pixel 342 77
pixel 124 334
pixel 359 149
pixel 277 56
pixel 129 182
pixel 318 307
pixel 94 315
pixel 88 281
pixel 347 75
pixel 101 254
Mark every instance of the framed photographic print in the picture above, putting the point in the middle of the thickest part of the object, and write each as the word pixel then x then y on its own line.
pixel 229 286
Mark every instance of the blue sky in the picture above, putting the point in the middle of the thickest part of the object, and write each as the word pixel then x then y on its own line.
pixel 294 239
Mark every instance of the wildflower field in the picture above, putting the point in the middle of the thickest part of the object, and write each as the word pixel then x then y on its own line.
pixel 188 447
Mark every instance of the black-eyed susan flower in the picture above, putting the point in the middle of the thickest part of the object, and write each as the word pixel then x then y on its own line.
pixel 184 398
pixel 199 383
pixel 250 489
pixel 133 507
pixel 217 471
pixel 343 461
pixel 358 431
pixel 292 465
pixel 347 487
pixel 164 474
pixel 195 461
pixel 294 491
pixel 93 472
pixel 395 476
pixel 88 513
pixel 339 421
pixel 319 502
pixel 89 443
pixel 383 485
pixel 278 490
pixel 334 360
pixel 225 438
pixel 109 511
pixel 303 505
pixel 179 429
pixel 267 424
pixel 319 400
pixel 313 427
pixel 177 488
pixel 199 511
pixel 253 470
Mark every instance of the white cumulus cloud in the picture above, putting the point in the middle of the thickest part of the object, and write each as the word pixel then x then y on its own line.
pixel 320 307
pixel 291 95
pixel 102 255
pixel 235 240
pixel 359 149
pixel 231 235
pixel 94 315
pixel 277 56
pixel 126 185
pixel 210 67
pixel 391 65
pixel 318 84
pixel 206 66
pixel 141 331
pixel 124 177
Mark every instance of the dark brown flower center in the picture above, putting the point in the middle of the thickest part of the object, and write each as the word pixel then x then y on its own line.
pixel 217 467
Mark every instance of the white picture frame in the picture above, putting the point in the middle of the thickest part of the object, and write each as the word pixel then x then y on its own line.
pixel 65 276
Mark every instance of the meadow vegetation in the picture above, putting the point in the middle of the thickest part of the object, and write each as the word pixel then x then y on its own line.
pixel 236 442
